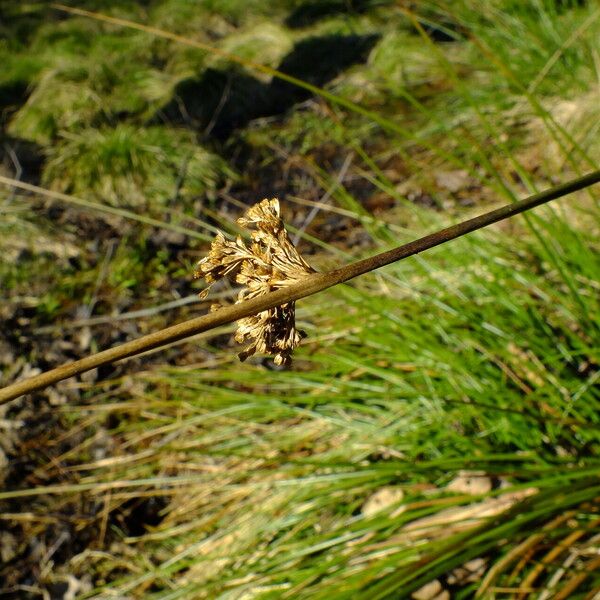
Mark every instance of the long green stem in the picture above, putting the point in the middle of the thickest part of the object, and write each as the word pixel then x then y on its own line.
pixel 311 285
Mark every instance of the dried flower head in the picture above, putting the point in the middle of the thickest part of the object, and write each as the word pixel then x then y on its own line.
pixel 268 263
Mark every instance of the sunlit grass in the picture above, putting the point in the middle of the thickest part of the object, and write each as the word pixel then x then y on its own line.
pixel 134 166
pixel 475 362
pixel 481 355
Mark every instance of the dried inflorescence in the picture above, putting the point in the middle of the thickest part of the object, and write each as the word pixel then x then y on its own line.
pixel 268 263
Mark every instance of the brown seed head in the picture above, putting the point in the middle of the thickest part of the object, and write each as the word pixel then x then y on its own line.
pixel 269 263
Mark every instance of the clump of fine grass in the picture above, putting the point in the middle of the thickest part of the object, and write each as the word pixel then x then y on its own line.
pixel 55 105
pixel 88 77
pixel 468 98
pixel 519 57
pixel 17 69
pixel 545 45
pixel 134 166
pixel 266 43
pixel 475 359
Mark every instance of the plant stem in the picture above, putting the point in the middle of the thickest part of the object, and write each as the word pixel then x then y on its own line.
pixel 96 206
pixel 311 285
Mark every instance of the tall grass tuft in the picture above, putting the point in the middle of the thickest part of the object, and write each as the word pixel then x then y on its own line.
pixel 134 166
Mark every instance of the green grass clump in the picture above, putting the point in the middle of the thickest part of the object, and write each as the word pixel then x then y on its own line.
pixel 533 39
pixel 56 104
pixel 475 357
pixel 133 166
pixel 89 78
pixel 265 43
pixel 16 69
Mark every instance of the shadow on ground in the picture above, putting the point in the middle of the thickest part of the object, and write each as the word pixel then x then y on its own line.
pixel 218 102
pixel 309 13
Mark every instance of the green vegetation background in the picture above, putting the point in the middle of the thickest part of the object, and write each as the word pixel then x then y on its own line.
pixel 455 386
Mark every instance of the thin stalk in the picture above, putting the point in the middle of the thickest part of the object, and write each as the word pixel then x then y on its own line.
pixel 96 206
pixel 312 284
